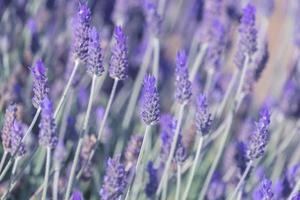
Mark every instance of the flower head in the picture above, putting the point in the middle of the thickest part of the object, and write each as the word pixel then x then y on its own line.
pixel 133 149
pixel 247 42
pixel 119 59
pixel 183 84
pixel 81 28
pixel 168 126
pixel 47 135
pixel 203 117
pixel 180 152
pixel 153 18
pixel 216 189
pixel 8 126
pixel 264 190
pixel 40 83
pixel 16 139
pixel 152 183
pixel 115 180
pixel 150 101
pixel 260 137
pixel 95 57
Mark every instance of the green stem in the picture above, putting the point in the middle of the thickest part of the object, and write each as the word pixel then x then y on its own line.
pixel 198 61
pixel 177 197
pixel 155 67
pixel 164 176
pixel 237 188
pixel 79 145
pixel 3 160
pixel 55 181
pixel 194 166
pixel 209 80
pixel 46 178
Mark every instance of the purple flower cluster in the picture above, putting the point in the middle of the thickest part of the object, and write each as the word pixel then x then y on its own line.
pixel 8 126
pixel 203 117
pixel 153 179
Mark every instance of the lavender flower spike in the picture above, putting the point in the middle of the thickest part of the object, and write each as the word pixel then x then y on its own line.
pixel 47 135
pixel 183 84
pixel 150 102
pixel 264 191
pixel 95 57
pixel 248 35
pixel 40 83
pixel 152 184
pixel 119 59
pixel 203 117
pixel 8 126
pixel 81 29
pixel 16 139
pixel 260 137
pixel 115 180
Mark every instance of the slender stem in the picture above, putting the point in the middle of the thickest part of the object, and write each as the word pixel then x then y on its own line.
pixel 164 176
pixel 194 166
pixel 46 178
pixel 155 67
pixel 79 145
pixel 237 188
pixel 198 61
pixel 14 169
pixel 217 158
pixel 295 190
pixel 3 160
pixel 140 157
pixel 209 80
pixel 136 88
pixel 177 197
pixel 63 97
pixel 5 170
pixel 55 181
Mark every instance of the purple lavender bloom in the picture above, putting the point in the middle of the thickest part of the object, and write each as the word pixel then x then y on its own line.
pixel 47 135
pixel 180 152
pixel 152 183
pixel 261 61
pixel 115 180
pixel 290 179
pixel 153 19
pixel 216 190
pixel 240 156
pixel 247 42
pixel 168 126
pixel 95 57
pixel 183 84
pixel 150 101
pixel 290 98
pixel 133 149
pixel 40 84
pixel 260 137
pixel 8 126
pixel 119 59
pixel 203 117
pixel 264 191
pixel 76 195
pixel 16 139
pixel 296 197
pixel 81 29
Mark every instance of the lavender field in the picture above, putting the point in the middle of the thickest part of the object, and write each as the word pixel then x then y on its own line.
pixel 150 99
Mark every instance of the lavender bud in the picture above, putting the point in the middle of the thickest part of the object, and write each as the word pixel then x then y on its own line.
pixel 183 84
pixel 247 41
pixel 115 180
pixel 81 28
pixel 8 126
pixel 261 61
pixel 133 150
pixel 119 59
pixel 150 101
pixel 153 19
pixel 203 117
pixel 180 152
pixel 76 195
pixel 260 137
pixel 152 183
pixel 47 135
pixel 87 146
pixel 40 84
pixel 16 139
pixel 95 57
pixel 264 191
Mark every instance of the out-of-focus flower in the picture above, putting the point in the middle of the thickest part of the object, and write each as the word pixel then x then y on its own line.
pixel 76 195
pixel 8 126
pixel 152 183
pixel 260 137
pixel 216 189
pixel 296 197
pixel 133 150
pixel 115 180
pixel 267 7
pixel 153 19
pixel 16 139
pixel 292 175
pixel 168 126
pixel 261 61
pixel 60 152
pixel 47 135
pixel 150 112
pixel 95 58
pixel 81 27
pixel 40 83
pixel 203 117
pixel 290 98
pixel 180 152
pixel 264 191
pixel 247 45
pixel 183 85
pixel 119 59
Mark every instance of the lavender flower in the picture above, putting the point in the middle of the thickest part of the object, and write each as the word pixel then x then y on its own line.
pixel 119 59
pixel 95 57
pixel 8 126
pixel 152 183
pixel 290 98
pixel 150 101
pixel 76 195
pixel 47 136
pixel 168 126
pixel 264 191
pixel 216 189
pixel 40 83
pixel 16 139
pixel 290 179
pixel 115 180
pixel 133 149
pixel 247 41
pixel 240 156
pixel 81 29
pixel 203 117
pixel 183 84
pixel 180 152
pixel 153 19
pixel 260 137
